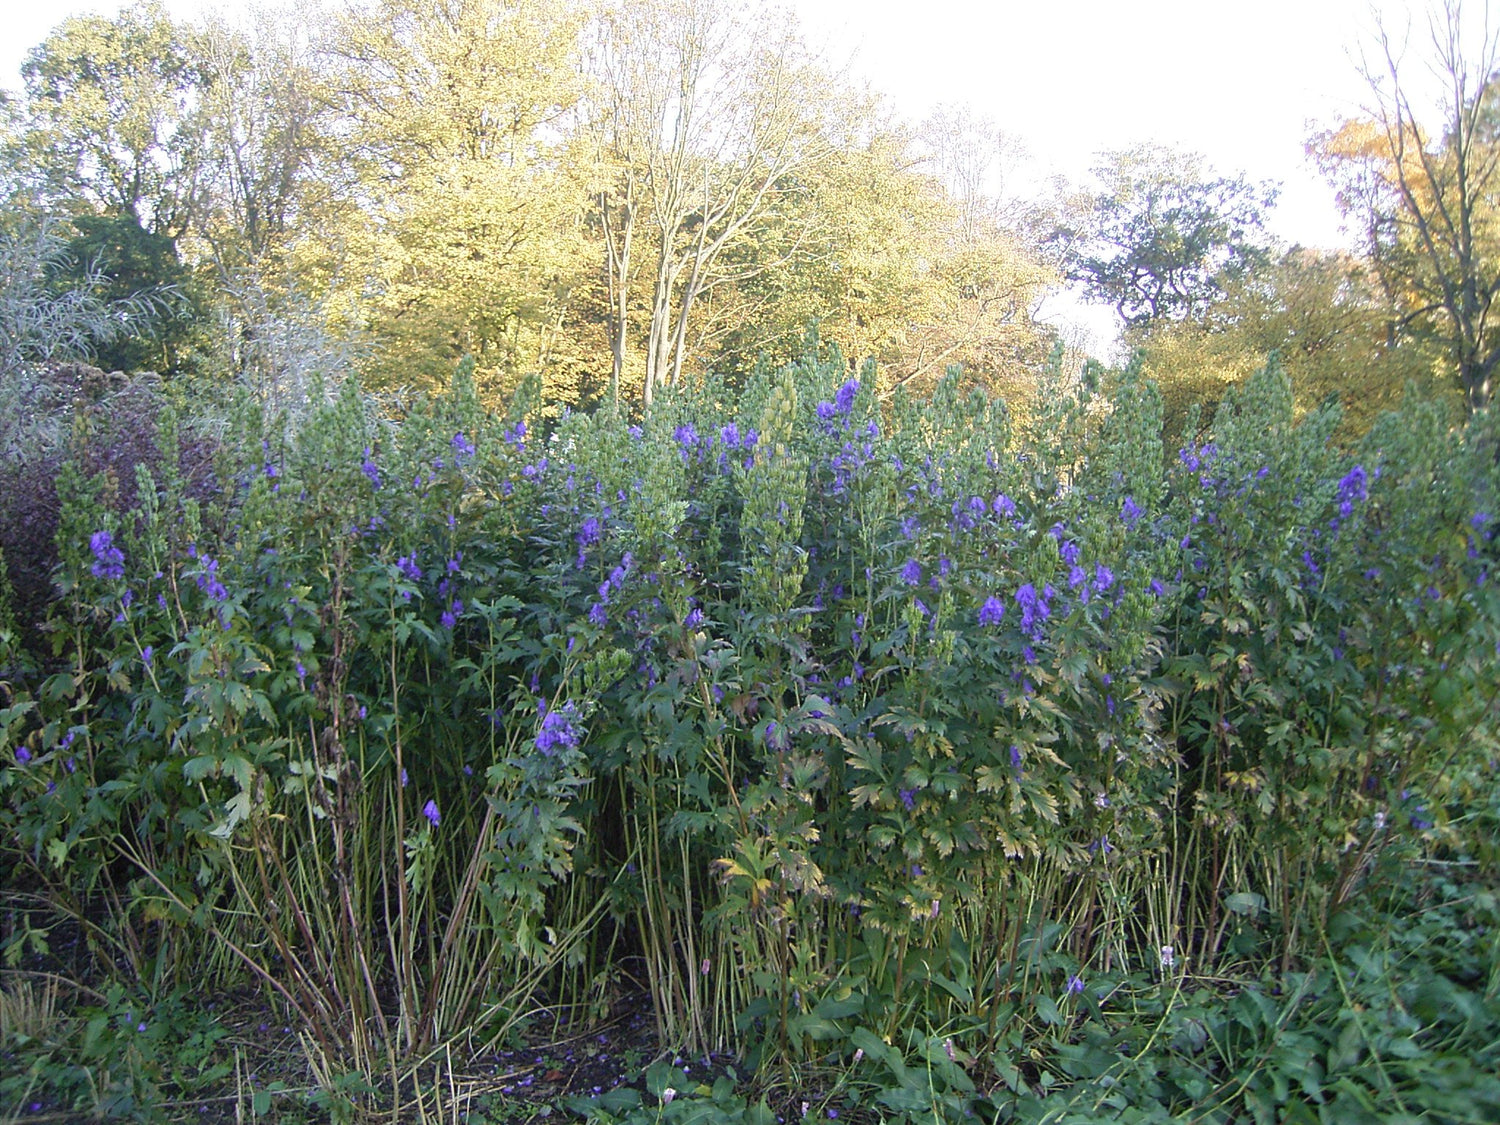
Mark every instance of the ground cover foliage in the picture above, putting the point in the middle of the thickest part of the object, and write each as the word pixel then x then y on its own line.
pixel 923 764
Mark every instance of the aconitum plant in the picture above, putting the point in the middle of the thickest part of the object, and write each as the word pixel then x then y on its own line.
pixel 874 675
pixel 109 560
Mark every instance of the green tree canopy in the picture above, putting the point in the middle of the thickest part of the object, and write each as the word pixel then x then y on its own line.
pixel 114 118
pixel 1162 236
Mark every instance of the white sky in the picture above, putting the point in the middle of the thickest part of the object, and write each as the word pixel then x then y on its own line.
pixel 1240 81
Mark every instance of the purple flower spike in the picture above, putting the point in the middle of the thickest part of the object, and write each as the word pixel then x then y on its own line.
pixel 109 561
pixel 992 611
pixel 430 811
pixel 558 729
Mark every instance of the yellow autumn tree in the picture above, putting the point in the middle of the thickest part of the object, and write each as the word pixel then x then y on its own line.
pixel 1327 317
pixel 467 237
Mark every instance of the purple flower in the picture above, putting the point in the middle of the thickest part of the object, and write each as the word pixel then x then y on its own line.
pixel 1104 578
pixel 1004 506
pixel 844 401
pixel 557 729
pixel 1130 511
pixel 146 654
pixel 686 435
pixel 370 469
pixel 109 561
pixel 462 446
pixel 209 582
pixel 911 573
pixel 1075 984
pixel 430 811
pixel 407 565
pixel 992 611
pixel 729 436
pixel 909 798
pixel 23 755
pixel 598 615
pixel 1034 608
pixel 1355 485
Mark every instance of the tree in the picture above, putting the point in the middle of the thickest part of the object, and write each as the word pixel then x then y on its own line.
pixel 53 308
pixel 983 276
pixel 1325 314
pixel 114 122
pixel 978 163
pixel 1161 237
pixel 704 115
pixel 265 132
pixel 464 234
pixel 1430 199
pixel 123 265
pixel 871 243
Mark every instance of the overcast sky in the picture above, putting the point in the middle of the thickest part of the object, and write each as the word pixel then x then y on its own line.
pixel 1241 81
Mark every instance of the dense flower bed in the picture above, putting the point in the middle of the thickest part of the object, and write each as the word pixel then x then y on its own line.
pixel 818 715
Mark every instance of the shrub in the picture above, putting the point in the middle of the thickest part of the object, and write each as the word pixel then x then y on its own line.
pixel 827 717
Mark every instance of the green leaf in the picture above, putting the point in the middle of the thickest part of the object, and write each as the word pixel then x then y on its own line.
pixel 1246 903
pixel 1046 1008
